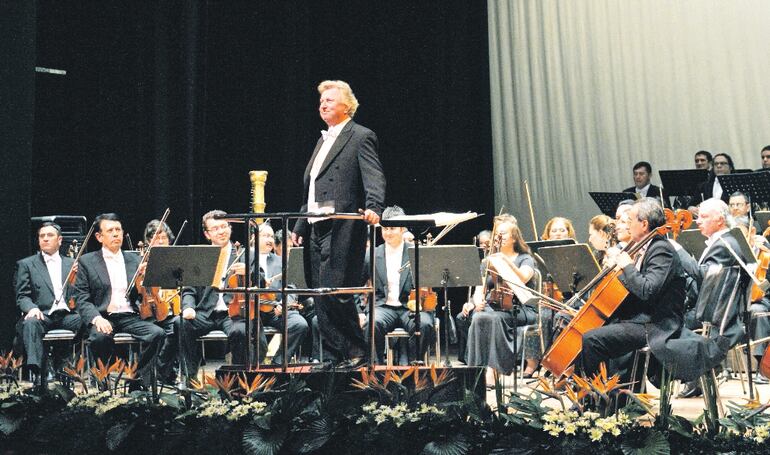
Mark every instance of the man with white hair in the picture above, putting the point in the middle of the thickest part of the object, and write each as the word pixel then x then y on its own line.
pixel 344 174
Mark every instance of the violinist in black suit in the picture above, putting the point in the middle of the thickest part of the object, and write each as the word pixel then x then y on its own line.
pixel 103 300
pixel 42 294
pixel 204 309
pixel 345 174
pixel 392 284
pixel 721 165
pixel 653 310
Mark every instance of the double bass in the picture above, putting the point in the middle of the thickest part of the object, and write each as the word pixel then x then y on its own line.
pixel 607 296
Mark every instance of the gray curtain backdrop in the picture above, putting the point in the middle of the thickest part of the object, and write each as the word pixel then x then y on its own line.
pixel 583 89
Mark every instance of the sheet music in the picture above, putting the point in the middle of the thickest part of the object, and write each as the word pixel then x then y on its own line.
pixel 439 218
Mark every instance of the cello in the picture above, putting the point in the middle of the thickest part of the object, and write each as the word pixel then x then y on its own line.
pixel 608 295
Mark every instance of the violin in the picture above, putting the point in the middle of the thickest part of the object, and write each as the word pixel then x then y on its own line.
pixel 151 303
pixel 75 251
pixel 428 300
pixel 236 307
pixel 608 295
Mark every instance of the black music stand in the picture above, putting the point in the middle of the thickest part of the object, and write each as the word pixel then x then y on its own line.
pixel 608 202
pixel 447 266
pixel 172 267
pixel 693 242
pixel 576 265
pixel 295 271
pixel 682 182
pixel 754 184
pixel 763 218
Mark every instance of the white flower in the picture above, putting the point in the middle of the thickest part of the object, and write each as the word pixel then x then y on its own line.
pixel 595 434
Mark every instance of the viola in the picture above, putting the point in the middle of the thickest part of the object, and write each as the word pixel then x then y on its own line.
pixel 763 261
pixel 151 303
pixel 428 300
pixel 607 296
pixel 71 275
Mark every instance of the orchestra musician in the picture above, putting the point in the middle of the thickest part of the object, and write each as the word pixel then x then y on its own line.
pixel 765 154
pixel 393 283
pixel 492 330
pixel 42 296
pixel 601 235
pixel 652 311
pixel 558 228
pixel 703 160
pixel 642 185
pixel 170 349
pixel 204 309
pixel 721 165
pixel 105 303
pixel 345 173
pixel 713 272
pixel 463 318
pixel 270 270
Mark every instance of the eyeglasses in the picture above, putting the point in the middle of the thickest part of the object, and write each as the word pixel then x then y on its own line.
pixel 721 163
pixel 221 227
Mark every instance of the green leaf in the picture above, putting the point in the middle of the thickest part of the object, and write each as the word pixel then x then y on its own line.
pixel 256 441
pixel 9 424
pixel 654 444
pixel 313 436
pixel 455 444
pixel 117 434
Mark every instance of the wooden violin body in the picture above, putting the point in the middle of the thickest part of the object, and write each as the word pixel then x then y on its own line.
pixel 763 261
pixel 428 300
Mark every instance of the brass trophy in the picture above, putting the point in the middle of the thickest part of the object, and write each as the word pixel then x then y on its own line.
pixel 258 180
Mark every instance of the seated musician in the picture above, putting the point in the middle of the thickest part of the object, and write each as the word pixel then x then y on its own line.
pixel 558 228
pixel 642 186
pixel 601 235
pixel 270 269
pixel 101 291
pixel 463 318
pixel 42 296
pixel 722 164
pixel 393 283
pixel 717 264
pixel 170 348
pixel 492 329
pixel 653 308
pixel 760 325
pixel 204 309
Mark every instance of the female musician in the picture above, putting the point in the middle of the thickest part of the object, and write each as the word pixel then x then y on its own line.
pixel 558 228
pixel 601 235
pixel 491 333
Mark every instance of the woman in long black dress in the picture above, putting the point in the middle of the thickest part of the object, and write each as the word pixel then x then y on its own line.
pixel 492 331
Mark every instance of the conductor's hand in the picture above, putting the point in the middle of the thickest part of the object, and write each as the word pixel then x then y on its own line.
pixel 623 259
pixel 296 239
pixel 188 313
pixel 102 325
pixel 467 308
pixel 239 268
pixel 370 217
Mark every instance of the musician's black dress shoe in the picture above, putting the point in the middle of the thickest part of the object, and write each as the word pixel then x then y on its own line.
pixel 691 390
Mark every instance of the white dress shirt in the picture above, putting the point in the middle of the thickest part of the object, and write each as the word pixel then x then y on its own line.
pixel 221 306
pixel 716 190
pixel 323 152
pixel 393 257
pixel 643 191
pixel 710 241
pixel 53 264
pixel 116 269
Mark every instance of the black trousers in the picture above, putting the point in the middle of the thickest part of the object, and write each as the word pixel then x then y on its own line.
pixel 31 331
pixel 150 335
pixel 235 329
pixel 337 314
pixel 170 349
pixel 463 323
pixel 386 319
pixel 297 327
pixel 610 343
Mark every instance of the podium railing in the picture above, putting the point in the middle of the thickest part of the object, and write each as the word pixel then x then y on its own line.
pixel 249 290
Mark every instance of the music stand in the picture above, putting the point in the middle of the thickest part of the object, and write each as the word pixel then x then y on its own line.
pixel 295 270
pixel 754 184
pixel 682 182
pixel 608 202
pixel 693 242
pixel 576 264
pixel 172 267
pixel 762 217
pixel 447 266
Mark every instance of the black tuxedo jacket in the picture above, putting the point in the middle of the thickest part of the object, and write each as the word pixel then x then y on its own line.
pixel 706 191
pixel 34 288
pixel 92 285
pixel 203 299
pixel 381 274
pixel 653 191
pixel 351 177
